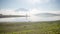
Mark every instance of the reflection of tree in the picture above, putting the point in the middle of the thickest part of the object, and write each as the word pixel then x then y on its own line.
pixel 28 16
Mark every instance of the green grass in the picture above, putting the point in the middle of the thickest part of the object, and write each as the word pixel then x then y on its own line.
pixel 49 27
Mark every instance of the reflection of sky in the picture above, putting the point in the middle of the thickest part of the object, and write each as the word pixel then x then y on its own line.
pixel 31 18
pixel 41 18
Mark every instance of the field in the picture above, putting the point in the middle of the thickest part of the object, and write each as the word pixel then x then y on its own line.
pixel 49 27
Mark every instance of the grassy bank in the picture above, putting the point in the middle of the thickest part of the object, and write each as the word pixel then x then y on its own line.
pixel 52 27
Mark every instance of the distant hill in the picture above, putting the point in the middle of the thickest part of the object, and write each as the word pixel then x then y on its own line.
pixel 3 16
pixel 47 14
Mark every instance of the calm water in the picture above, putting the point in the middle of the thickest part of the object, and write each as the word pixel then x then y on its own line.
pixel 31 18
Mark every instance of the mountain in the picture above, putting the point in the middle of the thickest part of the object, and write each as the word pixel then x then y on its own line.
pixel 47 14
pixel 5 16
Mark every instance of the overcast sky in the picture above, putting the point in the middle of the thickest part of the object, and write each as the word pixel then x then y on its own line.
pixel 33 6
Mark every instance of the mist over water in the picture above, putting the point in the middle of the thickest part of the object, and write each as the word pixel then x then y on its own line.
pixel 41 18
pixel 31 18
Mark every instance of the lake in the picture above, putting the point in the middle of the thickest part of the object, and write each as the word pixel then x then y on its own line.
pixel 31 18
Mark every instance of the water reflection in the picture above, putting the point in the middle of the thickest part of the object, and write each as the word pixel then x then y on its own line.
pixel 31 18
pixel 41 18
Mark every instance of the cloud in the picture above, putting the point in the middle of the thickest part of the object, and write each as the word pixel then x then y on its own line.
pixel 22 9
pixel 23 12
pixel 44 4
pixel 36 11
pixel 37 1
pixel 7 12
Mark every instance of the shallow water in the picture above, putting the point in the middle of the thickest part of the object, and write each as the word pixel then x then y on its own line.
pixel 31 18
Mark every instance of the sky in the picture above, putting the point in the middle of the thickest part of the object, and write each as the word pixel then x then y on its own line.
pixel 32 6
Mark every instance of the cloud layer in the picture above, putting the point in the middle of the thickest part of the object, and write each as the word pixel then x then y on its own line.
pixel 31 6
pixel 23 12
